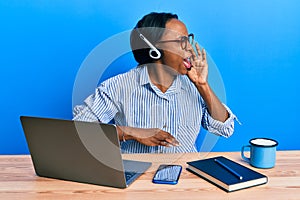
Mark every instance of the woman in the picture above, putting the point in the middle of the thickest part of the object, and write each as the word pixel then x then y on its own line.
pixel 160 105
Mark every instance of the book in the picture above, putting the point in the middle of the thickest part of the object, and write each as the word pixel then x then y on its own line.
pixel 226 174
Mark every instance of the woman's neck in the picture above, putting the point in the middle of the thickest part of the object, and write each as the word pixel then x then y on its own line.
pixel 161 76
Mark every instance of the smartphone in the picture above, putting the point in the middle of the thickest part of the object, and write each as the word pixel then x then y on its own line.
pixel 167 174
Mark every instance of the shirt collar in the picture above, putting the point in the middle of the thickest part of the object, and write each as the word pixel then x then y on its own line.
pixel 144 77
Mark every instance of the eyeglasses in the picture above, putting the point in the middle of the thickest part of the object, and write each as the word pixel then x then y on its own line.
pixel 183 41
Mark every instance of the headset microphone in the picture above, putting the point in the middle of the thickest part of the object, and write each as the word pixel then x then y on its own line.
pixel 154 53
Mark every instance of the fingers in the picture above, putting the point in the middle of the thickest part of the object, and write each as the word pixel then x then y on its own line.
pixel 164 143
pixel 163 138
pixel 166 139
pixel 168 143
pixel 203 54
pixel 157 137
pixel 198 51
pixel 172 141
pixel 200 55
pixel 194 55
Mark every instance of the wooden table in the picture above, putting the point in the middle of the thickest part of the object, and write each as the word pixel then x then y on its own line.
pixel 18 181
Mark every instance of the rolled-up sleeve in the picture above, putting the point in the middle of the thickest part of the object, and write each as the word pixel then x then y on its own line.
pixel 224 129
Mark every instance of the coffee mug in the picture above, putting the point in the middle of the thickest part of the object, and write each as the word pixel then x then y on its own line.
pixel 262 152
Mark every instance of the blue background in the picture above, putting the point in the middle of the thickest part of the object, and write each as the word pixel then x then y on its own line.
pixel 255 44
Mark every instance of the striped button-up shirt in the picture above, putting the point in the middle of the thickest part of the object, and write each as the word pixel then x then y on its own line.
pixel 130 99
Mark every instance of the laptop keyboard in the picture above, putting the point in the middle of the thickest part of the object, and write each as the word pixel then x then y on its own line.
pixel 129 175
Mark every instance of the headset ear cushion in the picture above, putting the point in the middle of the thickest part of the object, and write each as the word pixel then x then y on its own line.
pixel 155 54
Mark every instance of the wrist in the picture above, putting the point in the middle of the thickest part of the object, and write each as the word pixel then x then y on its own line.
pixel 124 133
pixel 202 87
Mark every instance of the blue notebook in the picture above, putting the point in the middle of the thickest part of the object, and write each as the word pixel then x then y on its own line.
pixel 226 174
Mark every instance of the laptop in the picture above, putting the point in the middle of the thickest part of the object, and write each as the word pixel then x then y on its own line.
pixel 86 152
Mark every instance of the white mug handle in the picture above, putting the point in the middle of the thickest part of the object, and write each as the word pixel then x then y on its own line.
pixel 242 153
